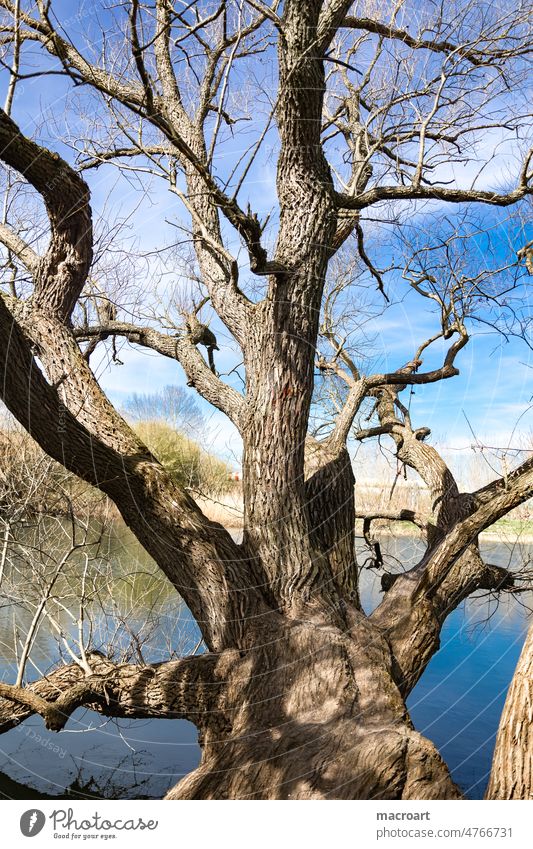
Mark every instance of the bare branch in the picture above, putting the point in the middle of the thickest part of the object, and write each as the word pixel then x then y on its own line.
pixel 378 194
pixel 20 248
pixel 477 56
pixel 177 347
pixel 412 516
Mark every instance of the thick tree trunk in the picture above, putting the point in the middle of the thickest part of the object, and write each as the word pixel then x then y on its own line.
pixel 512 766
pixel 303 696
pixel 313 713
pixel 280 351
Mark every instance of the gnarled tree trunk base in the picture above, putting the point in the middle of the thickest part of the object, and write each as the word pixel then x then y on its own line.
pixel 311 713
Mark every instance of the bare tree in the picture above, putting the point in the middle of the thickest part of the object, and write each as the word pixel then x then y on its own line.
pixel 172 405
pixel 301 694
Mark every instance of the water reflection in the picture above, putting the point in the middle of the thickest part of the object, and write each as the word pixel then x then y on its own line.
pixel 132 613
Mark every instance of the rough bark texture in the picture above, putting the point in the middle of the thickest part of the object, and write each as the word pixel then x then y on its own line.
pixel 512 768
pixel 61 273
pixel 301 695
pixel 177 689
pixel 313 713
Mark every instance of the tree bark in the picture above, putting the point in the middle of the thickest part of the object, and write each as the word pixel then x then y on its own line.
pixel 179 689
pixel 313 713
pixel 301 696
pixel 512 766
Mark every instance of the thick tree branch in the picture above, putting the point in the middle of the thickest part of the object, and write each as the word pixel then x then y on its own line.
pixel 61 273
pixel 188 688
pixel 414 608
pixel 331 18
pixel 510 776
pixel 377 194
pixel 198 556
pixel 329 491
pixel 500 486
pixel 100 447
pixel 344 421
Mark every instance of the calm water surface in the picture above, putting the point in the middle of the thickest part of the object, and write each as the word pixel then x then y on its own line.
pixel 457 703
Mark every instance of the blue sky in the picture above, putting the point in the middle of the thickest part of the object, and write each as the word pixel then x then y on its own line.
pixel 489 401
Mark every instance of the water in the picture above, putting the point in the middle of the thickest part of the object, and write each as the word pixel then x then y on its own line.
pixel 95 756
pixel 457 703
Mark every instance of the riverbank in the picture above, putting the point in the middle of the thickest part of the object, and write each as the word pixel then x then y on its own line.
pixel 510 531
pixel 228 510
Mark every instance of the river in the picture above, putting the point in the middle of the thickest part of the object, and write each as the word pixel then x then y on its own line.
pixel 457 703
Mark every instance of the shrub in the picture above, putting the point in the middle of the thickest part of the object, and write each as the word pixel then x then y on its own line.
pixel 187 462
